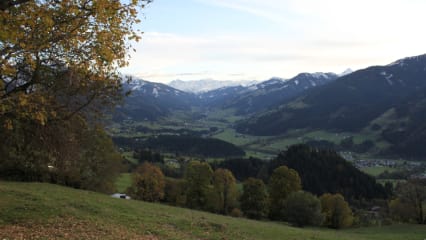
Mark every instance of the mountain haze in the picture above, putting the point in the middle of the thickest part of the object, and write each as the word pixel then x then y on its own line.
pixel 205 85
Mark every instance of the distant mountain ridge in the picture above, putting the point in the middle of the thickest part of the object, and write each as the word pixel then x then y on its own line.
pixel 389 99
pixel 205 85
pixel 388 102
pixel 149 101
pixel 269 93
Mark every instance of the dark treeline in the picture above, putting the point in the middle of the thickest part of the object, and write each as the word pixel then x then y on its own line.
pixel 188 132
pixel 182 145
pixel 194 146
pixel 325 171
pixel 143 155
pixel 242 168
pixel 346 144
pixel 321 171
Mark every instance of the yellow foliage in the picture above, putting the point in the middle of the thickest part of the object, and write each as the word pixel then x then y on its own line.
pixel 337 212
pixel 83 36
pixel 8 124
pixel 148 183
pixel 22 100
pixel 41 118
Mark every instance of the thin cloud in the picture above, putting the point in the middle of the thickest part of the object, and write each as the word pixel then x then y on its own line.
pixel 164 57
pixel 328 35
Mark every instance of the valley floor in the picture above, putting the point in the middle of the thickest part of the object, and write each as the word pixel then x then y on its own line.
pixel 45 211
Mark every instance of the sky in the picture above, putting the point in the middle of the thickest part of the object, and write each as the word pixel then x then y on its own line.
pixel 260 39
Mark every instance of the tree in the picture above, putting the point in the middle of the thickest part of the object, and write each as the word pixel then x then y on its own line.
pixel 225 187
pixel 337 212
pixel 58 75
pixel 148 183
pixel 42 42
pixel 282 182
pixel 68 153
pixel 198 177
pixel 303 208
pixel 6 4
pixel 174 192
pixel 402 211
pixel 254 200
pixel 100 162
pixel 413 194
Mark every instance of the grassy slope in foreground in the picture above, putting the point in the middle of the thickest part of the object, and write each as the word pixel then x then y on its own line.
pixel 45 211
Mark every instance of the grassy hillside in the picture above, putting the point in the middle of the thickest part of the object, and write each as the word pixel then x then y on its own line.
pixel 44 211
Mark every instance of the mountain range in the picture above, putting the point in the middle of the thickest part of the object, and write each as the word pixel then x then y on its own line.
pixel 275 91
pixel 389 101
pixel 348 104
pixel 205 85
pixel 149 100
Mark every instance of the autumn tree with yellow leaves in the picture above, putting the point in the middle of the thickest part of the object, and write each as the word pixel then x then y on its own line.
pixel 225 191
pixel 59 64
pixel 336 210
pixel 282 183
pixel 148 183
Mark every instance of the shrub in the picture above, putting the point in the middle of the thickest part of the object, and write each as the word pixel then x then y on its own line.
pixel 303 208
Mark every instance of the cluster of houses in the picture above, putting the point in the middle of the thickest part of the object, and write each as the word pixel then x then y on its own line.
pixel 416 169
pixel 366 163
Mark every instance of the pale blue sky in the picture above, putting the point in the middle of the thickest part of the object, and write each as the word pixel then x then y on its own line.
pixel 259 39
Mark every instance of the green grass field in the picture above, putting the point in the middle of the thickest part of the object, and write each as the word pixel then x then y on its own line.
pixel 375 171
pixel 45 211
pixel 129 157
pixel 123 182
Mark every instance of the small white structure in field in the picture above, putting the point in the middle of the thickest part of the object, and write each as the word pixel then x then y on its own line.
pixel 120 195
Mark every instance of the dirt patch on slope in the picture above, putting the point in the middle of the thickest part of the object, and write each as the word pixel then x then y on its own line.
pixel 68 228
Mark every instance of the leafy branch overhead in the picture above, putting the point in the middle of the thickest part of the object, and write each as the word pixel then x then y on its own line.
pixel 73 48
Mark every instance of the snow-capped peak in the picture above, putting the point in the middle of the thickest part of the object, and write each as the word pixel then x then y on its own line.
pixel 274 80
pixel 346 72
pixel 155 92
pixel 205 85
pixel 320 75
pixel 402 62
